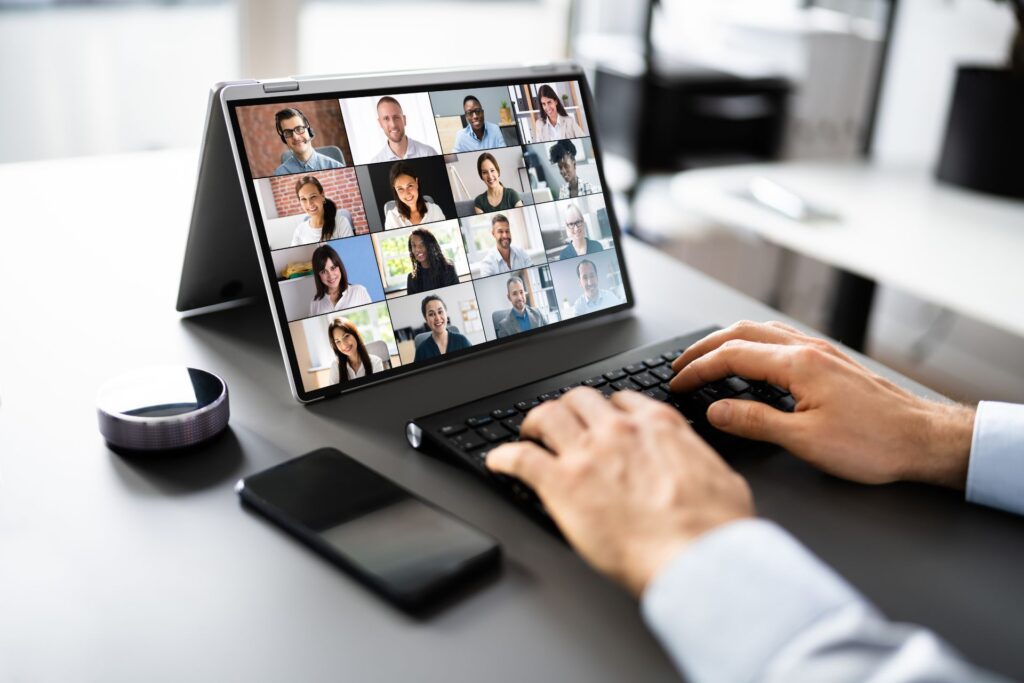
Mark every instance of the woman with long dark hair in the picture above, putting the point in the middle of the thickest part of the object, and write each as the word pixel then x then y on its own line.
pixel 554 122
pixel 430 269
pixel 333 290
pixel 350 352
pixel 496 197
pixel 441 339
pixel 321 222
pixel 410 207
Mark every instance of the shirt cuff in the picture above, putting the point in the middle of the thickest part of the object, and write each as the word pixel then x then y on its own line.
pixel 732 599
pixel 995 471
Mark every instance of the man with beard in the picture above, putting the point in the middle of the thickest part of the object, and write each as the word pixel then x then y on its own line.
pixel 521 317
pixel 400 146
pixel 505 257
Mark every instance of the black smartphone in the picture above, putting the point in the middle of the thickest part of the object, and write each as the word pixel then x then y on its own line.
pixel 404 548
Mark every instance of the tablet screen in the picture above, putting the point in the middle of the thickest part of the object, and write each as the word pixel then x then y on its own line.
pixel 406 228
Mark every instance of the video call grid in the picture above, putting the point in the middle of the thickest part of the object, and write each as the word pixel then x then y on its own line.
pixel 522 150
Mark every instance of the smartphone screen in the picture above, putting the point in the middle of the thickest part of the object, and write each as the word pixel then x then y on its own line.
pixel 397 543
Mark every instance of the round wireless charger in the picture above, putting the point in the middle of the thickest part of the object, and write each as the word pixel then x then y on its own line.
pixel 162 408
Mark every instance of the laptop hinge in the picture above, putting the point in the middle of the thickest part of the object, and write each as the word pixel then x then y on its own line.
pixel 280 86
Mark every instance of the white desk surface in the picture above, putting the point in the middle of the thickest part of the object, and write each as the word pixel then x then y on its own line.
pixel 900 227
pixel 141 569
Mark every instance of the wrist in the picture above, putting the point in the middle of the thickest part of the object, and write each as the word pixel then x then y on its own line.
pixel 946 446
pixel 658 557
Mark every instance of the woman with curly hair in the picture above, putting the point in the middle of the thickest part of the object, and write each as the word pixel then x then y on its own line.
pixel 410 207
pixel 430 269
pixel 563 155
pixel 350 352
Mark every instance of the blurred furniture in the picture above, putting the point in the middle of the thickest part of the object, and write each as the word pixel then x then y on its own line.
pixel 379 349
pixel 896 226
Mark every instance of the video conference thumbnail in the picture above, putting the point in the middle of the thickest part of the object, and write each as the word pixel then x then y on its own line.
pixel 325 277
pixel 314 207
pixel 360 341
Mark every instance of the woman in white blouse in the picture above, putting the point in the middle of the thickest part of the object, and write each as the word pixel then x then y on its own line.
pixel 554 122
pixel 333 290
pixel 409 207
pixel 321 222
pixel 350 352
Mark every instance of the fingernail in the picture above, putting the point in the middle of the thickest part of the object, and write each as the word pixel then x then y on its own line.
pixel 720 412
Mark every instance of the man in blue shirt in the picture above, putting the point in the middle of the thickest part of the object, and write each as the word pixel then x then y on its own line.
pixel 521 317
pixel 733 598
pixel 294 130
pixel 478 133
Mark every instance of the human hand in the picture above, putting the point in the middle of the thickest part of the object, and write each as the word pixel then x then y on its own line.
pixel 848 421
pixel 626 479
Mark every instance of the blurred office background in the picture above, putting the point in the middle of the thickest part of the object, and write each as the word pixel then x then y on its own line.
pixel 681 86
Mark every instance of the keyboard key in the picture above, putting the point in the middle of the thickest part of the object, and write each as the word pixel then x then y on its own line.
pixel 479 420
pixel 664 373
pixel 469 441
pixel 480 455
pixel 635 368
pixel 785 403
pixel 494 433
pixel 527 406
pixel 645 380
pixel 657 394
pixel 737 384
pixel 594 382
pixel 452 430
pixel 502 413
pixel 664 386
pixel 614 375
pixel 625 385
pixel 718 390
pixel 569 388
pixel 513 423
pixel 670 356
pixel 550 396
pixel 654 362
pixel 607 389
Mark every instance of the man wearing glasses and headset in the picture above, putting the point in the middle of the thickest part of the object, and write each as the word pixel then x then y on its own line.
pixel 294 130
pixel 478 133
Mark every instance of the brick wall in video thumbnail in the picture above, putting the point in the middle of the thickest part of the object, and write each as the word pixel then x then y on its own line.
pixel 340 185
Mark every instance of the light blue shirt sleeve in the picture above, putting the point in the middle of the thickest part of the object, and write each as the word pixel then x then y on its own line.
pixel 747 602
pixel 995 472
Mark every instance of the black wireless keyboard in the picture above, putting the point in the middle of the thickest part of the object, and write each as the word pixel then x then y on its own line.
pixel 467 432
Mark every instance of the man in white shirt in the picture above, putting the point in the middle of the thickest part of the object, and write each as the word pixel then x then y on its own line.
pixel 733 598
pixel 504 257
pixel 392 121
pixel 593 297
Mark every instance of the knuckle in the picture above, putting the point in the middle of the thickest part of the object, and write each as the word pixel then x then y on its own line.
pixel 807 355
pixel 662 413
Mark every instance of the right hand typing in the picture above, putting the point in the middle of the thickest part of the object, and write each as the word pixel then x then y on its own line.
pixel 848 421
